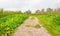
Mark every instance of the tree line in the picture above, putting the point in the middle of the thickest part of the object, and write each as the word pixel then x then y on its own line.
pixel 42 11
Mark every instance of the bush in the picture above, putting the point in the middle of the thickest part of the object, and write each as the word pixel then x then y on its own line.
pixel 57 20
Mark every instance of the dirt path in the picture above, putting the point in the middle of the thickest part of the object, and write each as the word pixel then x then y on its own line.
pixel 24 31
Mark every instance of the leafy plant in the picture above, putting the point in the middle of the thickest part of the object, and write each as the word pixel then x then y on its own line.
pixel 10 23
pixel 56 20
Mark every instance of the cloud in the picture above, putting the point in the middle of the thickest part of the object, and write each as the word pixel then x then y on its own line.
pixel 28 4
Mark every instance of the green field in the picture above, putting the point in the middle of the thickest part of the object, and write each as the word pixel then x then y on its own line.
pixel 51 22
pixel 9 23
pixel 11 20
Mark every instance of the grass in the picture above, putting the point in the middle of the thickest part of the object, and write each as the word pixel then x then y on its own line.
pixel 37 26
pixel 28 26
pixel 33 26
pixel 32 18
pixel 47 21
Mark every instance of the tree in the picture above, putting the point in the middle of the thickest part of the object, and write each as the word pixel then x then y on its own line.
pixel 37 12
pixel 49 10
pixel 1 10
pixel 58 10
pixel 42 10
pixel 18 12
pixel 28 12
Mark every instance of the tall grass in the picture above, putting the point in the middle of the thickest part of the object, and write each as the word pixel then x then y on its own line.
pixel 51 22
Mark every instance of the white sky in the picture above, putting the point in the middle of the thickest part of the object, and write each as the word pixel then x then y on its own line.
pixel 29 4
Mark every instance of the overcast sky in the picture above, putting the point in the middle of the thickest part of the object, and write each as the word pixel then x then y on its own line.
pixel 29 4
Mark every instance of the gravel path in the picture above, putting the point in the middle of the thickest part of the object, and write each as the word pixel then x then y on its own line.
pixel 31 31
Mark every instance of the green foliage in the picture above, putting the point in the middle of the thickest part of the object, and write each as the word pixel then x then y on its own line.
pixel 51 22
pixel 8 24
pixel 57 20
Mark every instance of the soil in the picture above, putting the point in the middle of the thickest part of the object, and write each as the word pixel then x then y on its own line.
pixel 31 31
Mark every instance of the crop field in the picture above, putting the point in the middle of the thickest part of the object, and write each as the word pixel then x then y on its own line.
pixel 51 22
pixel 13 23
pixel 9 23
pixel 29 17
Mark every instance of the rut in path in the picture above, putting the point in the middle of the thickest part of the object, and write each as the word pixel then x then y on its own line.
pixel 24 31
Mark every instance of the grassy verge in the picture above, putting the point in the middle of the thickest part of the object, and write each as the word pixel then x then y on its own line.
pixel 48 22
